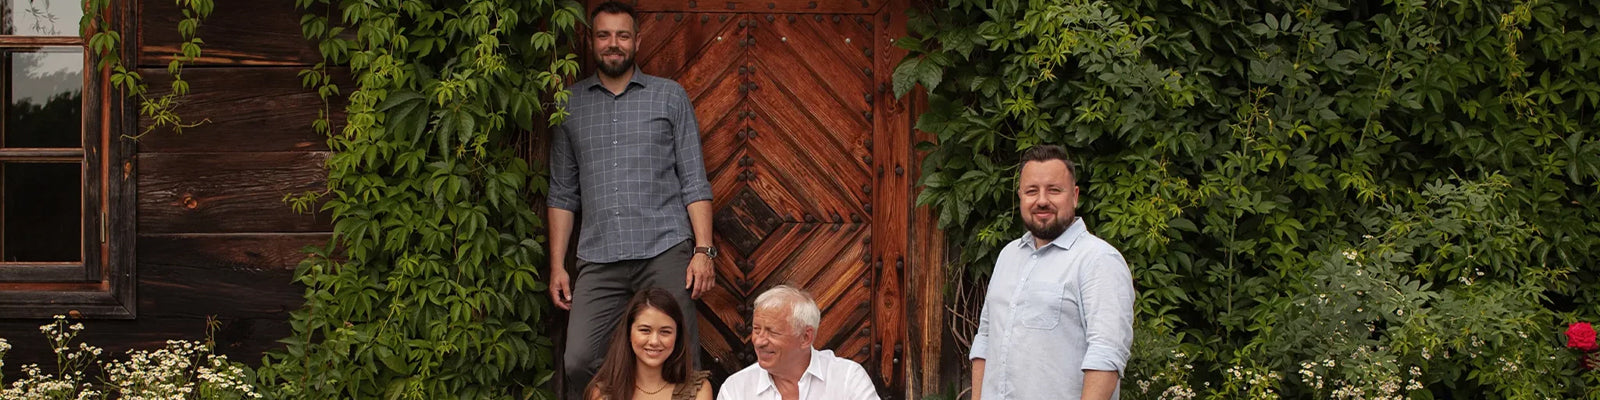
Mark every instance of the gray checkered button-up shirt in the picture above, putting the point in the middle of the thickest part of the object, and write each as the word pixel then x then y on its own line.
pixel 631 164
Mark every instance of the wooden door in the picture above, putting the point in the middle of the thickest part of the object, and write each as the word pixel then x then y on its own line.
pixel 785 98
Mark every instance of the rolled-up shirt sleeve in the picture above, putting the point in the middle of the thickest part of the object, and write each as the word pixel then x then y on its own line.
pixel 1107 313
pixel 980 340
pixel 563 172
pixel 686 137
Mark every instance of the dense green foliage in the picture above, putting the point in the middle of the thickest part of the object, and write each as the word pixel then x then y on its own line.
pixel 1318 199
pixel 429 289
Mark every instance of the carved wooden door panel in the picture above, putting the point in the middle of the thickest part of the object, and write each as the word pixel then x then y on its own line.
pixel 784 103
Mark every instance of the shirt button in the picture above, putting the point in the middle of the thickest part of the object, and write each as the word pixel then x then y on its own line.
pixel 616 213
pixel 613 164
pixel 613 120
pixel 615 189
pixel 613 142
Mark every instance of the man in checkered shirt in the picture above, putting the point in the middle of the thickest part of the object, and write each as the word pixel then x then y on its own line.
pixel 628 161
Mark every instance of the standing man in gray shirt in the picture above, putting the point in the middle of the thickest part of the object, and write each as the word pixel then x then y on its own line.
pixel 1057 322
pixel 628 159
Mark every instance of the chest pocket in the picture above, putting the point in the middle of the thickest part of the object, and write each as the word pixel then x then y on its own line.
pixel 1042 305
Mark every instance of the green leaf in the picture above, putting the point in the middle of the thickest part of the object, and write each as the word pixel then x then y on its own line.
pixel 465 125
pixel 906 76
pixel 909 43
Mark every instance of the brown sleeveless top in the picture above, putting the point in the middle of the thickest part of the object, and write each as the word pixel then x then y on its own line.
pixel 691 387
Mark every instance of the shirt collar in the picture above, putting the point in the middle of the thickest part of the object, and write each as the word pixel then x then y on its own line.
pixel 639 78
pixel 816 369
pixel 1064 241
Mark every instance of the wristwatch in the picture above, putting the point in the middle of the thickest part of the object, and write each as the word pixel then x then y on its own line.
pixel 709 251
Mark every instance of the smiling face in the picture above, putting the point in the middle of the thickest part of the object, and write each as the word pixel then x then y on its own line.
pixel 654 335
pixel 780 347
pixel 1047 196
pixel 613 45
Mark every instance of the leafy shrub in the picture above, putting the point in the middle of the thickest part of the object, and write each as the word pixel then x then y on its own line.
pixel 1318 199
pixel 183 370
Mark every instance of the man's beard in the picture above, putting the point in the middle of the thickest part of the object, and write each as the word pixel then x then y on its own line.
pixel 1049 230
pixel 619 69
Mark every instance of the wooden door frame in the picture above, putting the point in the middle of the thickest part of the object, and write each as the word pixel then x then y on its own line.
pixel 909 253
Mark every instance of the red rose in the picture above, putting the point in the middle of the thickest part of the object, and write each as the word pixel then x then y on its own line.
pixel 1581 336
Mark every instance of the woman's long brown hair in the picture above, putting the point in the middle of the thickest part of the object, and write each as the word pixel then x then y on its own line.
pixel 616 378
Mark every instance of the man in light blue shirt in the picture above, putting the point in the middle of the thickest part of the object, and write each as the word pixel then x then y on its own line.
pixel 1057 322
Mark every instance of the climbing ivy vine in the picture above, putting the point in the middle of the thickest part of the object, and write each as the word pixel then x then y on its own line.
pixel 106 45
pixel 1319 199
pixel 429 288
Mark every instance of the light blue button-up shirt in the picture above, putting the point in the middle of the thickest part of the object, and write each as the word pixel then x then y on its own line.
pixel 1052 313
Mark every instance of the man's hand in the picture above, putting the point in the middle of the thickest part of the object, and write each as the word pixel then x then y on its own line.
pixel 560 287
pixel 700 276
pixel 560 224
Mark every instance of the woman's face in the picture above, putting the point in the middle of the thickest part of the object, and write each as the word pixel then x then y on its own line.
pixel 653 335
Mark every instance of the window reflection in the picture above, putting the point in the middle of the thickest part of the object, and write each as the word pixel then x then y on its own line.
pixel 40 17
pixel 44 104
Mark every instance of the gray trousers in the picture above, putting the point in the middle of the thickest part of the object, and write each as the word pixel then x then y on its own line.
pixel 600 294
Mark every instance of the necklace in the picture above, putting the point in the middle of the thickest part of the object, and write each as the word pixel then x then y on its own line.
pixel 658 390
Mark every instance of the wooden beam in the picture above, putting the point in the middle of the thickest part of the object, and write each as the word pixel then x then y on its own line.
pixel 893 171
pixel 32 154
pixel 228 192
pixel 237 33
pixel 244 110
pixel 41 272
pixel 929 265
pixel 926 275
pixel 240 275
pixel 34 42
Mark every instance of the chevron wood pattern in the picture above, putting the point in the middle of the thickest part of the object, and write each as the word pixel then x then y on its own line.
pixel 784 104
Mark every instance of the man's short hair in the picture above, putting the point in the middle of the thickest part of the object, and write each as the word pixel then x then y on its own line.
pixel 615 7
pixel 1049 152
pixel 803 311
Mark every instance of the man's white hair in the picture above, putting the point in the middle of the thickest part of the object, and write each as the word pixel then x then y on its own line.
pixel 803 312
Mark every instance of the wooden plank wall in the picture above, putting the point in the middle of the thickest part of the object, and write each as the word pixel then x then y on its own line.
pixel 215 238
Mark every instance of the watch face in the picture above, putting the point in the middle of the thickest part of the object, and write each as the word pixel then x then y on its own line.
pixel 708 251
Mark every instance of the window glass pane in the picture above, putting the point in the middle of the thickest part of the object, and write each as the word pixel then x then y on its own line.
pixel 44 106
pixel 43 209
pixel 41 17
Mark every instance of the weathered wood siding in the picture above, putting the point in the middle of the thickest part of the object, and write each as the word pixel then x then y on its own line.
pixel 215 239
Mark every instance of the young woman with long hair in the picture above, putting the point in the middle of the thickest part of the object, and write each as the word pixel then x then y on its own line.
pixel 644 361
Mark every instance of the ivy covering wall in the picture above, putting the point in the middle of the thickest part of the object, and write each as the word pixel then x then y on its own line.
pixel 429 288
pixel 1318 199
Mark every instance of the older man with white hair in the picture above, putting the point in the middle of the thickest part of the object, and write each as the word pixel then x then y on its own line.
pixel 783 329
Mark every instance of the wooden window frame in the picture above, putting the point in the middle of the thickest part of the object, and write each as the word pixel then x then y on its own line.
pixel 104 283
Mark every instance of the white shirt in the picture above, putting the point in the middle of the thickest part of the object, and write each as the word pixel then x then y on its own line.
pixel 827 378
